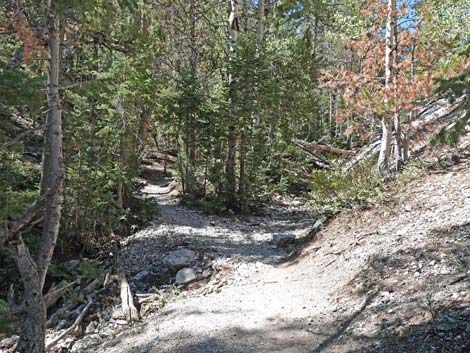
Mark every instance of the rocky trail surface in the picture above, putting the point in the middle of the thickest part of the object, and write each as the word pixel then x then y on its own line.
pixel 393 278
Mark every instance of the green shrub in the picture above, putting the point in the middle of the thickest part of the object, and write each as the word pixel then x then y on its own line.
pixel 333 190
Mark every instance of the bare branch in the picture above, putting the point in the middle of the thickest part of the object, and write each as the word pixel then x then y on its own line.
pixel 23 134
pixel 31 212
pixel 77 322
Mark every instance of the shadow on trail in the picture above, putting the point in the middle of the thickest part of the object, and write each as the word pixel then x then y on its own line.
pixel 413 325
pixel 248 238
pixel 440 334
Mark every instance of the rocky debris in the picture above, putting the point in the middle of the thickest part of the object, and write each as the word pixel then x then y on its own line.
pixel 65 345
pixel 116 314
pixel 9 342
pixel 283 240
pixel 185 276
pixel 179 259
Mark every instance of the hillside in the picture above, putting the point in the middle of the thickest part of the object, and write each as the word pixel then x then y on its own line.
pixel 392 278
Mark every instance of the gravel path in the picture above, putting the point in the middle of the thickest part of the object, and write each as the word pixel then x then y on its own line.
pixel 363 286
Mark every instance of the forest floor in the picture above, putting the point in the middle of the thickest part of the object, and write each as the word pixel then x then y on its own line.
pixel 392 278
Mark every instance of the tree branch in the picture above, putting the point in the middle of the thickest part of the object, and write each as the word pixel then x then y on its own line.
pixel 77 322
pixel 23 134
pixel 30 213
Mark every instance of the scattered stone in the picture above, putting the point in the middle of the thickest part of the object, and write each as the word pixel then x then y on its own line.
pixel 8 342
pixel 140 276
pixel 106 332
pixel 179 259
pixel 206 273
pixel 283 240
pixel 91 327
pixel 185 275
pixel 121 322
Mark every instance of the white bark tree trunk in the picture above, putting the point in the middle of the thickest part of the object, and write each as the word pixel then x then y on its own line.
pixel 387 118
pixel 233 28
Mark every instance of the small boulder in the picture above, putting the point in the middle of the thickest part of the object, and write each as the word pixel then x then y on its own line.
pixel 179 259
pixel 141 275
pixel 283 240
pixel 185 276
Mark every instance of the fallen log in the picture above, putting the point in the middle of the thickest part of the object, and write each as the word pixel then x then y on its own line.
pixel 438 111
pixel 364 153
pixel 314 158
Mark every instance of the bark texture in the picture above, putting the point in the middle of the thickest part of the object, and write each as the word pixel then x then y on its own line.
pixel 33 271
pixel 233 28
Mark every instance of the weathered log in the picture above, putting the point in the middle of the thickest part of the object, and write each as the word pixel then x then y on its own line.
pixel 128 308
pixel 364 153
pixel 315 158
pixel 436 111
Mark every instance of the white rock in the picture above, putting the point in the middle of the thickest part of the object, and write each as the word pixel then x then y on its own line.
pixel 185 275
pixel 179 258
pixel 402 231
pixel 8 342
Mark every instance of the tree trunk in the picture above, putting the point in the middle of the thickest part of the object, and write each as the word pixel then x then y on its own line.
pixel 397 143
pixel 242 180
pixel 233 28
pixel 332 114
pixel 383 164
pixel 33 328
pixel 33 273
pixel 260 29
pixel 53 168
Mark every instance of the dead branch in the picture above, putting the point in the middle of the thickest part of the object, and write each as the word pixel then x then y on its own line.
pixel 77 322
pixel 55 294
pixel 31 212
pixel 23 134
pixel 315 158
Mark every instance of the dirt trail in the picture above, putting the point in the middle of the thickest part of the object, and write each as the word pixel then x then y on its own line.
pixel 389 279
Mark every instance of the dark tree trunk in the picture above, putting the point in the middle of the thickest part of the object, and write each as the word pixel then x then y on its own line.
pixel 33 328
